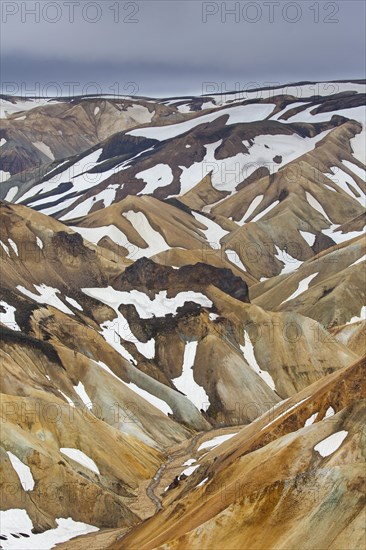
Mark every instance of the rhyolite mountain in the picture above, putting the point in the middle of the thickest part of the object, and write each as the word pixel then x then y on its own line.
pixel 182 309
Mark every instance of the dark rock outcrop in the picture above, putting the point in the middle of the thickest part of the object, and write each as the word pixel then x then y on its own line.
pixel 147 276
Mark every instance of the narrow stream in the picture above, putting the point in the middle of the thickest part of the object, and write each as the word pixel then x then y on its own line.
pixel 154 483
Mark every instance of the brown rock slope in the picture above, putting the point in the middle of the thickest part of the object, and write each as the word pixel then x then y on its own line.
pixel 182 333
pixel 334 289
pixel 276 484
pixel 39 132
pixel 299 198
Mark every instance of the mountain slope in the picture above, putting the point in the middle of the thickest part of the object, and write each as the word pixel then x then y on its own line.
pixel 182 320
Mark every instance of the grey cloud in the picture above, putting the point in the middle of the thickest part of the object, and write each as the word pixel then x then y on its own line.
pixel 170 50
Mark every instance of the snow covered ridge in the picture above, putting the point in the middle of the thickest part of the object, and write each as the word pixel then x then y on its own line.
pixel 20 105
pixel 158 172
pixel 48 295
pixel 217 96
pixel 146 307
pixel 214 94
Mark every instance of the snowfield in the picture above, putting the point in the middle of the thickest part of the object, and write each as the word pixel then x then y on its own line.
pixel 186 382
pixel 160 175
pixel 155 241
pixel 245 113
pixel 17 521
pixel 47 295
pixel 147 308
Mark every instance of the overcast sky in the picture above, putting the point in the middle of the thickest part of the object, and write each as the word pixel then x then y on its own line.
pixel 162 48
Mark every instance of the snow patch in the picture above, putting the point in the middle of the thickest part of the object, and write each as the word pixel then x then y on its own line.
pixel 156 243
pixel 189 462
pixel 6 248
pixel 236 260
pixel 358 144
pixel 253 205
pixel 194 173
pixel 314 203
pixel 290 264
pixel 184 108
pixel 311 420
pixel 23 471
pixel 4 176
pixel 265 211
pixel 341 179
pixel 70 401
pixel 339 237
pixel 8 317
pixel 160 175
pixel 152 399
pixel 80 390
pixel 146 348
pixel 160 306
pixel 361 317
pixel 214 232
pixel 186 382
pixel 213 316
pixel 39 242
pixel 242 113
pixel 362 259
pixel 14 246
pixel 81 458
pixel 284 412
pixel 249 356
pixel 47 295
pixel 44 149
pixel 11 193
pixel 17 521
pixel 309 237
pixel 303 286
pixel 95 234
pixel 189 471
pixel 107 369
pixel 203 482
pixel 216 441
pixel 73 303
pixel 330 444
